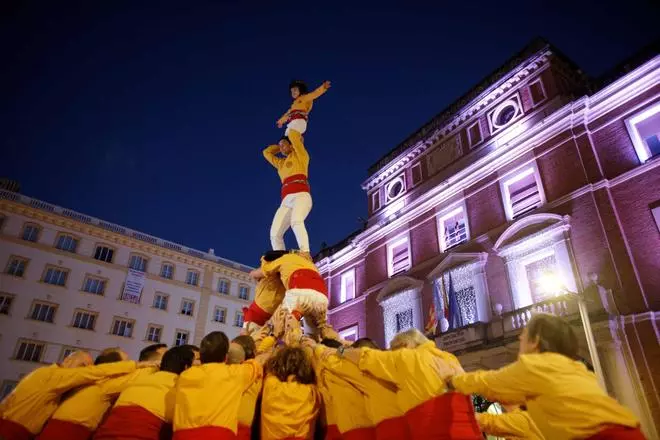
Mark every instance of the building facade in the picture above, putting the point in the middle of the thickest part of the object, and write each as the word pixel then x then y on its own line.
pixel 536 174
pixel 71 281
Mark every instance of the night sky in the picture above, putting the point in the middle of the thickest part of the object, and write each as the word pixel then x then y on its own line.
pixel 153 115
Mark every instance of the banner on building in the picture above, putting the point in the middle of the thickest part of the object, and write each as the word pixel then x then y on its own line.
pixel 133 286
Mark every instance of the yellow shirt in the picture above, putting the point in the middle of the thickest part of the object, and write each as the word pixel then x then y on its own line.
pixel 249 404
pixel 304 102
pixel 210 394
pixel 296 162
pixel 154 392
pixel 562 396
pixel 286 265
pixel 88 406
pixel 288 410
pixel 269 293
pixel 36 397
pixel 515 425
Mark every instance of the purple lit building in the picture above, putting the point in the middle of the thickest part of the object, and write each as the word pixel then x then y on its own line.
pixel 537 171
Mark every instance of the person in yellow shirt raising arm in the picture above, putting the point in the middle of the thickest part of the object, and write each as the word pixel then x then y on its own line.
pixel 293 170
pixel 241 349
pixel 562 396
pixel 297 116
pixel 25 411
pixel 514 424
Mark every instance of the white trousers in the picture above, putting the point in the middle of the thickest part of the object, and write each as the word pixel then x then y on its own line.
pixel 300 125
pixel 291 214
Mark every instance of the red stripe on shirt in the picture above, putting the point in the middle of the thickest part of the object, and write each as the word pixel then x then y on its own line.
pixel 308 279
pixel 445 417
pixel 62 429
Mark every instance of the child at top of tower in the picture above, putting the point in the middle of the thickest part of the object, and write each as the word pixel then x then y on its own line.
pixel 296 117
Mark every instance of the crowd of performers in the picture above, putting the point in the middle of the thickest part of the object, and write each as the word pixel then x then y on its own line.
pixel 274 382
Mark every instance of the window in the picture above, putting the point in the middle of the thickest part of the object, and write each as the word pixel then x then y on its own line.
pixel 452 228
pixel 43 312
pixel 474 134
pixel 30 351
pixel 398 256
pixel 138 262
pixel 16 266
pixel 535 269
pixel 347 291
pixel 219 314
pixel 395 188
pixel 31 232
pixel 655 210
pixel 122 327
pixel 104 253
pixel 416 173
pixel 55 276
pixel 404 320
pixel 5 303
pixel 160 301
pixel 84 319
pixel 67 243
pixel 223 286
pixel 238 319
pixel 167 271
pixel 644 130
pixel 2 221
pixel 537 92
pixel 94 285
pixel 180 338
pixel 375 200
pixel 154 332
pixel 7 387
pixel 349 334
pixel 522 193
pixel 192 277
pixel 187 307
pixel 66 351
pixel 244 292
pixel 505 113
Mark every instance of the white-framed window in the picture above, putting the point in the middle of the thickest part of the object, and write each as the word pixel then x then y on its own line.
pixel 122 327
pixel 42 311
pixel 66 242
pixel 6 301
pixel 154 333
pixel 505 113
pixel 138 262
pixel 453 227
pixel 7 387
pixel 347 291
pixel 474 134
pixel 29 351
pixel 537 92
pixel 104 253
pixel 375 200
pixel 160 301
pixel 94 285
pixel 181 337
pixel 395 188
pixel 522 191
pixel 350 334
pixel 219 314
pixel 644 130
pixel 187 307
pixel 238 319
pixel 655 211
pixel 16 266
pixel 31 232
pixel 223 286
pixel 167 271
pixel 244 292
pixel 398 256
pixel 56 276
pixel 416 173
pixel 192 277
pixel 84 319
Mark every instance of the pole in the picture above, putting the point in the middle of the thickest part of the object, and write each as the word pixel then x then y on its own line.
pixel 591 341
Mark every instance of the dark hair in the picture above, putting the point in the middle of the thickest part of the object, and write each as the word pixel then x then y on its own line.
pixel 285 138
pixel 214 348
pixel 554 334
pixel 194 348
pixel 300 85
pixel 108 355
pixel 332 343
pixel 177 359
pixel 365 342
pixel 291 361
pixel 274 255
pixel 248 344
pixel 149 353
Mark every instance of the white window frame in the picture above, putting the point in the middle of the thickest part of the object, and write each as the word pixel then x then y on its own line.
pixel 643 152
pixel 531 97
pixel 343 294
pixel 242 320
pixel 90 314
pixel 492 115
pixel 151 328
pixel 400 178
pixel 183 302
pixel 105 253
pixel 167 301
pixel 71 242
pixel 6 300
pixel 102 283
pixel 375 200
pixel 127 321
pixel 163 272
pixel 42 351
pixel 62 274
pixel 471 143
pixel 217 309
pixel 656 215
pixel 180 332
pixel 228 283
pixel 41 304
pixel 390 253
pixel 350 331
pixel 247 289
pixel 145 261
pixel 444 215
pixel 515 176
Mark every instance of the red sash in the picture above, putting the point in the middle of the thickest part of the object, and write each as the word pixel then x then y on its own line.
pixel 204 433
pixel 445 417
pixel 308 279
pixel 10 430
pixel 392 429
pixel 296 114
pixel 359 434
pixel 255 314
pixel 244 432
pixel 295 184
pixel 62 429
pixel 332 433
pixel 133 422
pixel 618 432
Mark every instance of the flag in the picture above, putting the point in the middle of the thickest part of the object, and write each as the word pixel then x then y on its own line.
pixel 445 301
pixel 455 318
pixel 432 323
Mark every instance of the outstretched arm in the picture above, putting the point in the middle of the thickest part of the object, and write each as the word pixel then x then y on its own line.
pixel 270 154
pixel 311 96
pixel 283 119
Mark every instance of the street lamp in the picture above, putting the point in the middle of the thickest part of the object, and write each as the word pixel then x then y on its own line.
pixel 552 283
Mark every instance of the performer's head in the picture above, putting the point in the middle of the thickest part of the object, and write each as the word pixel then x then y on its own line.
pixel 409 339
pixel 195 350
pixel 547 333
pixel 365 342
pixel 285 145
pixel 274 255
pixel 214 348
pixel 242 348
pixel 78 358
pixel 153 352
pixel 177 359
pixel 110 355
pixel 291 361
pixel 297 88
pixel 332 343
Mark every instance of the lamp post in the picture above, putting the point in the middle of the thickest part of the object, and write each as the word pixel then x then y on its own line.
pixel 553 284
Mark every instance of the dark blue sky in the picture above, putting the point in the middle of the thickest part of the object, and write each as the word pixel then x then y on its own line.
pixel 154 115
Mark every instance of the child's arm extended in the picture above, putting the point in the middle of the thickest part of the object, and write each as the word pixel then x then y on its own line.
pixel 311 96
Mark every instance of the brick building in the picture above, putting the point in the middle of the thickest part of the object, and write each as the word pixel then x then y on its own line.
pixel 536 171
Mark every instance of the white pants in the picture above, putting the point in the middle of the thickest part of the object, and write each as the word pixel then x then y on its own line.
pixel 291 214
pixel 300 125
pixel 306 301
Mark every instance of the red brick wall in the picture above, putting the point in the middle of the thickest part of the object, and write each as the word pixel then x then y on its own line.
pixel 485 210
pixel 376 266
pixel 424 240
pixel 350 316
pixel 615 149
pixel 561 171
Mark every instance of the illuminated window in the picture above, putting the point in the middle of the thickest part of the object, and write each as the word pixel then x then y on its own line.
pixel 350 334
pixel 398 256
pixel 67 243
pixel 644 130
pixel 453 228
pixel 347 291
pixel 522 192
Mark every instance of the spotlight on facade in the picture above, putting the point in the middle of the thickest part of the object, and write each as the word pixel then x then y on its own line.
pixel 552 284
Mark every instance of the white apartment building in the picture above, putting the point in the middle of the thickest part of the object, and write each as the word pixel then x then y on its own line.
pixel 70 281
